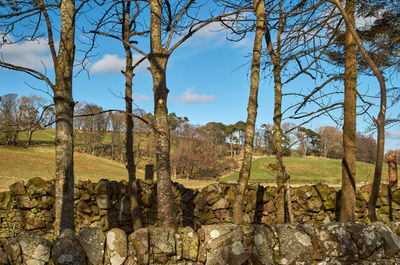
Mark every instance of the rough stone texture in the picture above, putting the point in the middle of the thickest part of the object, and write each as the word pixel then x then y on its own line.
pixel 105 205
pixel 140 241
pixel 3 257
pixel 5 198
pixel 263 246
pixel 35 249
pixel 162 244
pixel 335 243
pixel 116 247
pixel 67 249
pixel 190 243
pixel 12 250
pixel 224 244
pixel 92 241
pixel 18 188
pixel 294 245
pixel 37 187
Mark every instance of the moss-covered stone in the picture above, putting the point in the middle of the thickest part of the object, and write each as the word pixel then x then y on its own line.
pixel 37 187
pixel 5 198
pixel 18 188
pixel 190 243
pixel 396 195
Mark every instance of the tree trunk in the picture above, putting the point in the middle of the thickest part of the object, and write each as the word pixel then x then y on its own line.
pixel 349 128
pixel 282 177
pixel 64 104
pixel 30 133
pixel 277 141
pixel 392 170
pixel 244 173
pixel 158 63
pixel 380 121
pixel 130 160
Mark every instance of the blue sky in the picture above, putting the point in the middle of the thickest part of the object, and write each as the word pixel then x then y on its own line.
pixel 208 79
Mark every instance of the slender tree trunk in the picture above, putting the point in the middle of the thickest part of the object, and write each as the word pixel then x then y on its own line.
pixel 282 177
pixel 349 128
pixel 380 121
pixel 244 174
pixel 64 104
pixel 158 63
pixel 277 141
pixel 30 133
pixel 392 170
pixel 130 160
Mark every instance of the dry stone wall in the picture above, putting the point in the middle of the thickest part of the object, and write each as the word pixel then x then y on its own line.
pixel 29 207
pixel 335 243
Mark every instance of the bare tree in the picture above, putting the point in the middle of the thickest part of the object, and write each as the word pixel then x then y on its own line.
pixel 39 15
pixel 32 110
pixel 171 24
pixel 8 122
pixel 348 15
pixel 244 174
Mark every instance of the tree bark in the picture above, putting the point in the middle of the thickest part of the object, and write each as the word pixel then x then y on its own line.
pixel 284 209
pixel 64 104
pixel 244 174
pixel 277 142
pixel 380 121
pixel 349 128
pixel 158 58
pixel 392 170
pixel 130 160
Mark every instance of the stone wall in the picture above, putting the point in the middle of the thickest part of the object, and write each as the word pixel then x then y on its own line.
pixel 335 243
pixel 29 207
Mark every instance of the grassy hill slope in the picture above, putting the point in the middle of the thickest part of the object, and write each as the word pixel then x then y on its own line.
pixel 308 170
pixel 18 163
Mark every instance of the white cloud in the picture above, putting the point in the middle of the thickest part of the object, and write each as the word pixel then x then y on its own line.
pixel 393 135
pixel 189 97
pixel 212 34
pixel 111 63
pixel 140 98
pixel 30 54
pixel 243 43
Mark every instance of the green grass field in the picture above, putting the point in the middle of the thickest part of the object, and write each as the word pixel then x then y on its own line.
pixel 304 170
pixel 23 163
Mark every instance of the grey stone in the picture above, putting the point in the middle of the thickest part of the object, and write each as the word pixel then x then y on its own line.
pixel 140 241
pixel 103 201
pixel 37 187
pixel 391 241
pixel 262 249
pixel 220 204
pixel 92 241
pixel 224 244
pixel 365 238
pixel 221 235
pixel 294 245
pixel 162 240
pixel 336 243
pixel 116 247
pixel 67 249
pixel 190 243
pixel 35 249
